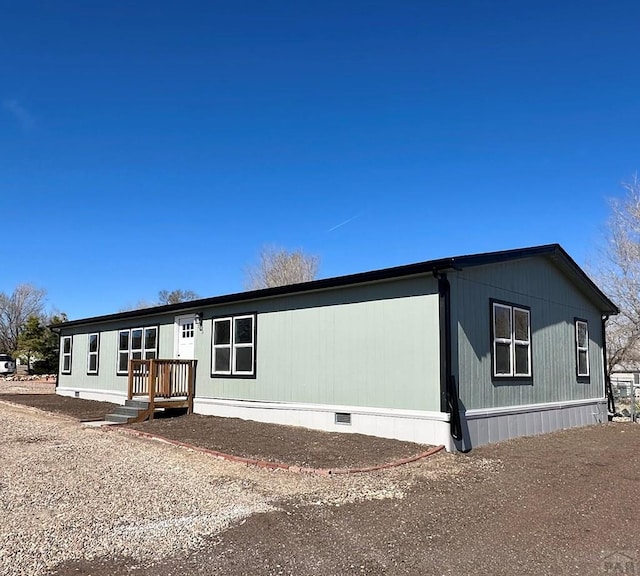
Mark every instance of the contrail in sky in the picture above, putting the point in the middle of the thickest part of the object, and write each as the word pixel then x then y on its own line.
pixel 20 113
pixel 343 223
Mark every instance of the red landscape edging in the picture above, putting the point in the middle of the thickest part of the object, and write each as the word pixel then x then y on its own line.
pixel 276 465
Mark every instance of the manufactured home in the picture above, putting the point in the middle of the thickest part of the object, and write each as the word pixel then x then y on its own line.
pixel 458 351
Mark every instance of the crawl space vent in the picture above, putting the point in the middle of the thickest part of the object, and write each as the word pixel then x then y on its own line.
pixel 343 418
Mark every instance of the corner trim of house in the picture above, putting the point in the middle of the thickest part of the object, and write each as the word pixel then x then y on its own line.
pixel 525 408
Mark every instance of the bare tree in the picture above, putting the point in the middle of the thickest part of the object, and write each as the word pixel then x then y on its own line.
pixel 164 297
pixel 618 274
pixel 176 296
pixel 279 267
pixel 139 305
pixel 15 309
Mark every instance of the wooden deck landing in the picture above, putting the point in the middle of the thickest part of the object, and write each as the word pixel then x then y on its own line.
pixel 163 383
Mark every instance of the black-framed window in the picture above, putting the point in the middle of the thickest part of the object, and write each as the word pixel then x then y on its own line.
pixel 233 347
pixel 136 344
pixel 93 352
pixel 66 349
pixel 511 340
pixel 582 348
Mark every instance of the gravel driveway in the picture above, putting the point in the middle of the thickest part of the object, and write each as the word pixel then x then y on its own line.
pixel 69 492
pixel 82 502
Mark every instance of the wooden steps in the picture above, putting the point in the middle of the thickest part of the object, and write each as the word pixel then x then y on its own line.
pixel 132 411
pixel 141 410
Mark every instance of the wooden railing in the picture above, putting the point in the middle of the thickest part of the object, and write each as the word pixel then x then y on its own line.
pixel 161 380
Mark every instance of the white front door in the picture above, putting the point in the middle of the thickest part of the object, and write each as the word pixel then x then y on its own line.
pixel 185 337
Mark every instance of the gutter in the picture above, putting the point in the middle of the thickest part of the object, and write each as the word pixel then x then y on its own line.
pixel 55 328
pixel 449 391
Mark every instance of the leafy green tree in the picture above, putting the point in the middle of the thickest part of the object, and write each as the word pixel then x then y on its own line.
pixel 38 344
pixel 50 347
pixel 30 339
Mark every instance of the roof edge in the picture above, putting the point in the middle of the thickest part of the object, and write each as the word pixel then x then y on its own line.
pixel 426 267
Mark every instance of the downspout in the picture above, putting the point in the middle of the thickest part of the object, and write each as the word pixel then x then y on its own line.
pixel 611 404
pixel 450 396
pixel 57 331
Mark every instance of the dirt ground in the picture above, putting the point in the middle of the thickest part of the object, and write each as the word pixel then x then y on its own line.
pixel 270 442
pixel 74 407
pixel 562 503
pixel 285 444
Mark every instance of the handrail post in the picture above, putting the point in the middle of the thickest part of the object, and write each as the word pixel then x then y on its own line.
pixel 167 388
pixel 152 387
pixel 130 382
pixel 190 386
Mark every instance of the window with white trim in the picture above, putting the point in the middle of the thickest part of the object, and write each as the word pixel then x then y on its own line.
pixel 136 344
pixel 66 354
pixel 582 348
pixel 233 346
pixel 93 350
pixel 511 333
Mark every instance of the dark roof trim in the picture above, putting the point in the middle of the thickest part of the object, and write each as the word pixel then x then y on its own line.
pixel 455 263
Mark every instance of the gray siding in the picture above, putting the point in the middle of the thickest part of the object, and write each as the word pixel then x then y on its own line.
pixel 377 344
pixel 374 345
pixel 554 303
pixel 107 379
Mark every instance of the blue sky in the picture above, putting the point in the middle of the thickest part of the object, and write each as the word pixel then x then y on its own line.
pixel 159 145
